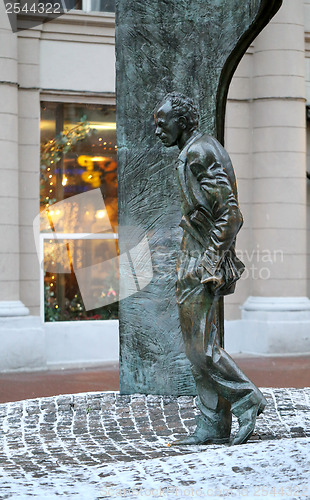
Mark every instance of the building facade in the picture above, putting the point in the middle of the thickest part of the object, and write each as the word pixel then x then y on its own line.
pixel 54 73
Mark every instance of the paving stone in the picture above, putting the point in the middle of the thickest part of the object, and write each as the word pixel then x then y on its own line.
pixel 90 445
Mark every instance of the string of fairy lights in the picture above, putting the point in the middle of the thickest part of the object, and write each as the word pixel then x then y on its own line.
pixel 53 150
pixel 51 153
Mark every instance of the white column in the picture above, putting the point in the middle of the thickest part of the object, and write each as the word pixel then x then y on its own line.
pixel 279 157
pixel 21 336
pixel 9 217
pixel 29 164
pixel 238 142
pixel 276 315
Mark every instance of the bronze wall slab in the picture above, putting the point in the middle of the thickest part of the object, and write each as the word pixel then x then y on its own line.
pixel 186 46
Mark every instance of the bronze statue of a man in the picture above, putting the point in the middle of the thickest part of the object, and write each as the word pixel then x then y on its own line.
pixel 207 268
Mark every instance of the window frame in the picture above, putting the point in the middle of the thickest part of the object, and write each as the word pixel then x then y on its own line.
pixel 76 98
pixel 65 236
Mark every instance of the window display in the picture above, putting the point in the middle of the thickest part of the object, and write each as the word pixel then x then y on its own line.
pixel 79 211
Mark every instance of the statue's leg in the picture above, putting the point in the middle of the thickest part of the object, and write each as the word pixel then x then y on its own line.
pixel 247 401
pixel 219 381
pixel 214 423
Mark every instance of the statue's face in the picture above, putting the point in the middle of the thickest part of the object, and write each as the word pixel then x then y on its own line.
pixel 168 127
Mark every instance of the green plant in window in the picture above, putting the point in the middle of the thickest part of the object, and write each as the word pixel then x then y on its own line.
pixel 74 309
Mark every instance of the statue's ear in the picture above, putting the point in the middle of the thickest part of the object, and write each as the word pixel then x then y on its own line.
pixel 183 122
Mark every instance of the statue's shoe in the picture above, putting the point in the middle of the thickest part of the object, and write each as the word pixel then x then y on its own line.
pixel 206 434
pixel 194 439
pixel 247 422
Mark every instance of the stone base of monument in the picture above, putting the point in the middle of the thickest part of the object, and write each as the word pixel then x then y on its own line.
pixel 271 326
pixel 106 445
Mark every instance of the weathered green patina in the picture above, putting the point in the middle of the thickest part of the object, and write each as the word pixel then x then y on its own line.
pixel 191 47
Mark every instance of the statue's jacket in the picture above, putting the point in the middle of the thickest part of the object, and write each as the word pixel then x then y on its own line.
pixel 211 217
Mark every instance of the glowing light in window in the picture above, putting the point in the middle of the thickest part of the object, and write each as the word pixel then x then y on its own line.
pixel 100 214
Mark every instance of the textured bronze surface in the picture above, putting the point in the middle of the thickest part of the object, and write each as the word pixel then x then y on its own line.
pixel 165 45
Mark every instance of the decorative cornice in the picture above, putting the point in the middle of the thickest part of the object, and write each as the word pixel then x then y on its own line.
pixel 75 26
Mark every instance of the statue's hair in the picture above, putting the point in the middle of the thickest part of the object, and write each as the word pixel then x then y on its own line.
pixel 184 106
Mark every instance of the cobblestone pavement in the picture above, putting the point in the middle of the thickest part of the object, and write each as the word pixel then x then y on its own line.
pixel 104 445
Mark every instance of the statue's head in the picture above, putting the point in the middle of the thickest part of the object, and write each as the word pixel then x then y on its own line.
pixel 176 116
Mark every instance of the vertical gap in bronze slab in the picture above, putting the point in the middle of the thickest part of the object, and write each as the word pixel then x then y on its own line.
pixel 220 321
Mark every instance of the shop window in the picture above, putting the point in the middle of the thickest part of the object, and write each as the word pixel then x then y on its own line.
pixel 79 212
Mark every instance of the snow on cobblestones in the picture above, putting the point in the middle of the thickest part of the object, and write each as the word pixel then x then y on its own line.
pixel 105 445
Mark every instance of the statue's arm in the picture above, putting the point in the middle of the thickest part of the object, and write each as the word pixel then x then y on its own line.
pixel 221 207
